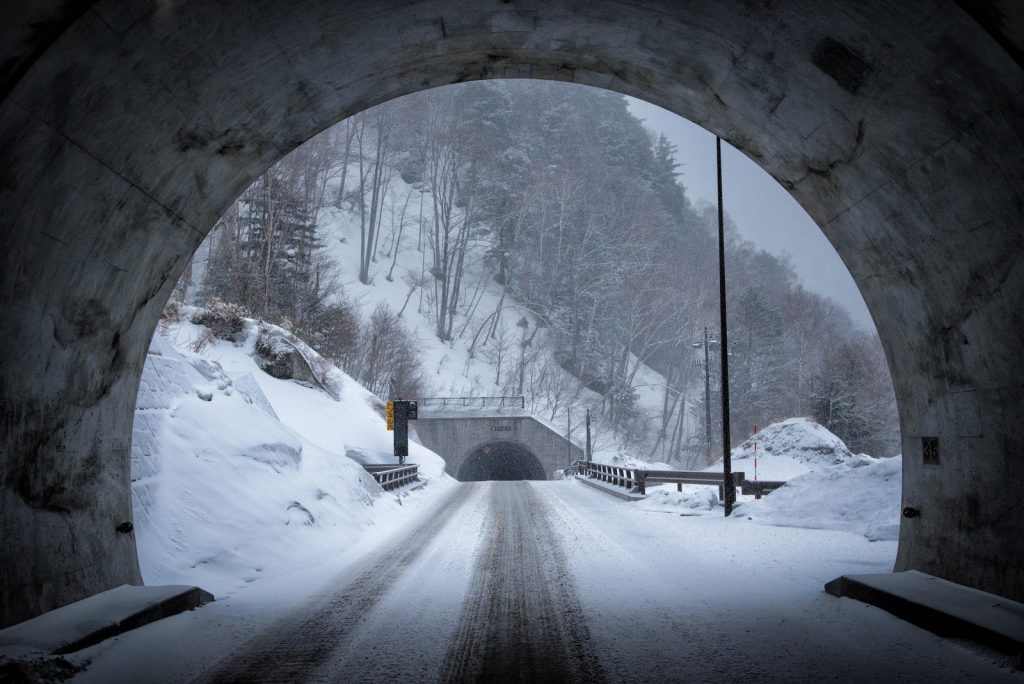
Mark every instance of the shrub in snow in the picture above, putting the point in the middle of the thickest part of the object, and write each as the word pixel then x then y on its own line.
pixel 335 333
pixel 171 312
pixel 226 321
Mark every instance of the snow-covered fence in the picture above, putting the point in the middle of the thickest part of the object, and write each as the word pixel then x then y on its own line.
pixel 390 476
pixel 760 487
pixel 681 477
pixel 637 479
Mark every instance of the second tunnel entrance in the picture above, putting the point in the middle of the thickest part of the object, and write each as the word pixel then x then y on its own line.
pixel 501 461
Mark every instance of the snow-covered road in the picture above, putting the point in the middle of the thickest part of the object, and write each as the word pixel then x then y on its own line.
pixel 553 581
pixel 490 547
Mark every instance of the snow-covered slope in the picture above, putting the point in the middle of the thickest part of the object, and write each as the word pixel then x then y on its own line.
pixel 238 476
pixel 459 368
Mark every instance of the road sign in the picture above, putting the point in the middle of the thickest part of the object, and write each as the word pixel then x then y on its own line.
pixel 399 414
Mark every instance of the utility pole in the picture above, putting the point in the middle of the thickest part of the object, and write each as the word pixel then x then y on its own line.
pixel 589 452
pixel 423 254
pixel 568 434
pixel 707 396
pixel 730 489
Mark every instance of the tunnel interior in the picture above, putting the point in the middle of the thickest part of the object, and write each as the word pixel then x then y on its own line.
pixel 501 461
pixel 890 123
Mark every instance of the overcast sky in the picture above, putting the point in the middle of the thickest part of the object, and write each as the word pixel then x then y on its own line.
pixel 763 211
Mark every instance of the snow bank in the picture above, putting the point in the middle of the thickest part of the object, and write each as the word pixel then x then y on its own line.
pixel 828 487
pixel 237 475
pixel 787 449
pixel 693 500
pixel 860 495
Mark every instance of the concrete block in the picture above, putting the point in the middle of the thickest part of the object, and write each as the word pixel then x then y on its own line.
pixel 101 616
pixel 942 607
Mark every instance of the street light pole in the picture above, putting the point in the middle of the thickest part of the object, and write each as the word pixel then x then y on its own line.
pixel 730 490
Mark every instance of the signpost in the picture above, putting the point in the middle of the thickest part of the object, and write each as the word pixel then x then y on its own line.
pixel 399 413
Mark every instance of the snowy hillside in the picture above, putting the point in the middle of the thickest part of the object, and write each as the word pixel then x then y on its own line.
pixel 238 476
pixel 461 241
pixel 467 365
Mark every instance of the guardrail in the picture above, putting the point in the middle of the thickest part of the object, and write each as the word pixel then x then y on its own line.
pixel 616 475
pixel 760 487
pixel 474 402
pixel 390 476
pixel 636 479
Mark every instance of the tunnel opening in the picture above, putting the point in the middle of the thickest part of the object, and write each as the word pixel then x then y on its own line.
pixel 798 126
pixel 501 461
pixel 218 280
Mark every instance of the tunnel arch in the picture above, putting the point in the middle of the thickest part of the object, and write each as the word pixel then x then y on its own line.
pixel 500 460
pixel 129 127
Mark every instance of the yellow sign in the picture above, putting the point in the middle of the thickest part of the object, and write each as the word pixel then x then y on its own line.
pixel 391 415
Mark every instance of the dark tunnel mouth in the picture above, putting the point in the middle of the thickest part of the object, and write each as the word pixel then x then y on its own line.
pixel 501 461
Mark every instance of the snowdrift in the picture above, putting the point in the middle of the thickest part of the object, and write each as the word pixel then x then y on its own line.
pixel 828 487
pixel 860 495
pixel 787 449
pixel 237 475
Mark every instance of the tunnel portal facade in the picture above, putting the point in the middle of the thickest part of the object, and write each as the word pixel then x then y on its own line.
pixel 495 445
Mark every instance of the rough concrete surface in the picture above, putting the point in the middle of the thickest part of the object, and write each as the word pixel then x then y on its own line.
pixel 127 127
pixel 461 439
pixel 98 617
pixel 948 609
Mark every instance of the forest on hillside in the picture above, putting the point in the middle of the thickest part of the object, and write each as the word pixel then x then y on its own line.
pixel 558 196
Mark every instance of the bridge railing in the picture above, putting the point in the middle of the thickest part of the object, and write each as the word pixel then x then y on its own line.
pixel 619 476
pixel 473 402
pixel 637 479
pixel 391 476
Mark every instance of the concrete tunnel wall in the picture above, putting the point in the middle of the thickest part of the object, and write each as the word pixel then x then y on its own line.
pixel 127 127
pixel 455 438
